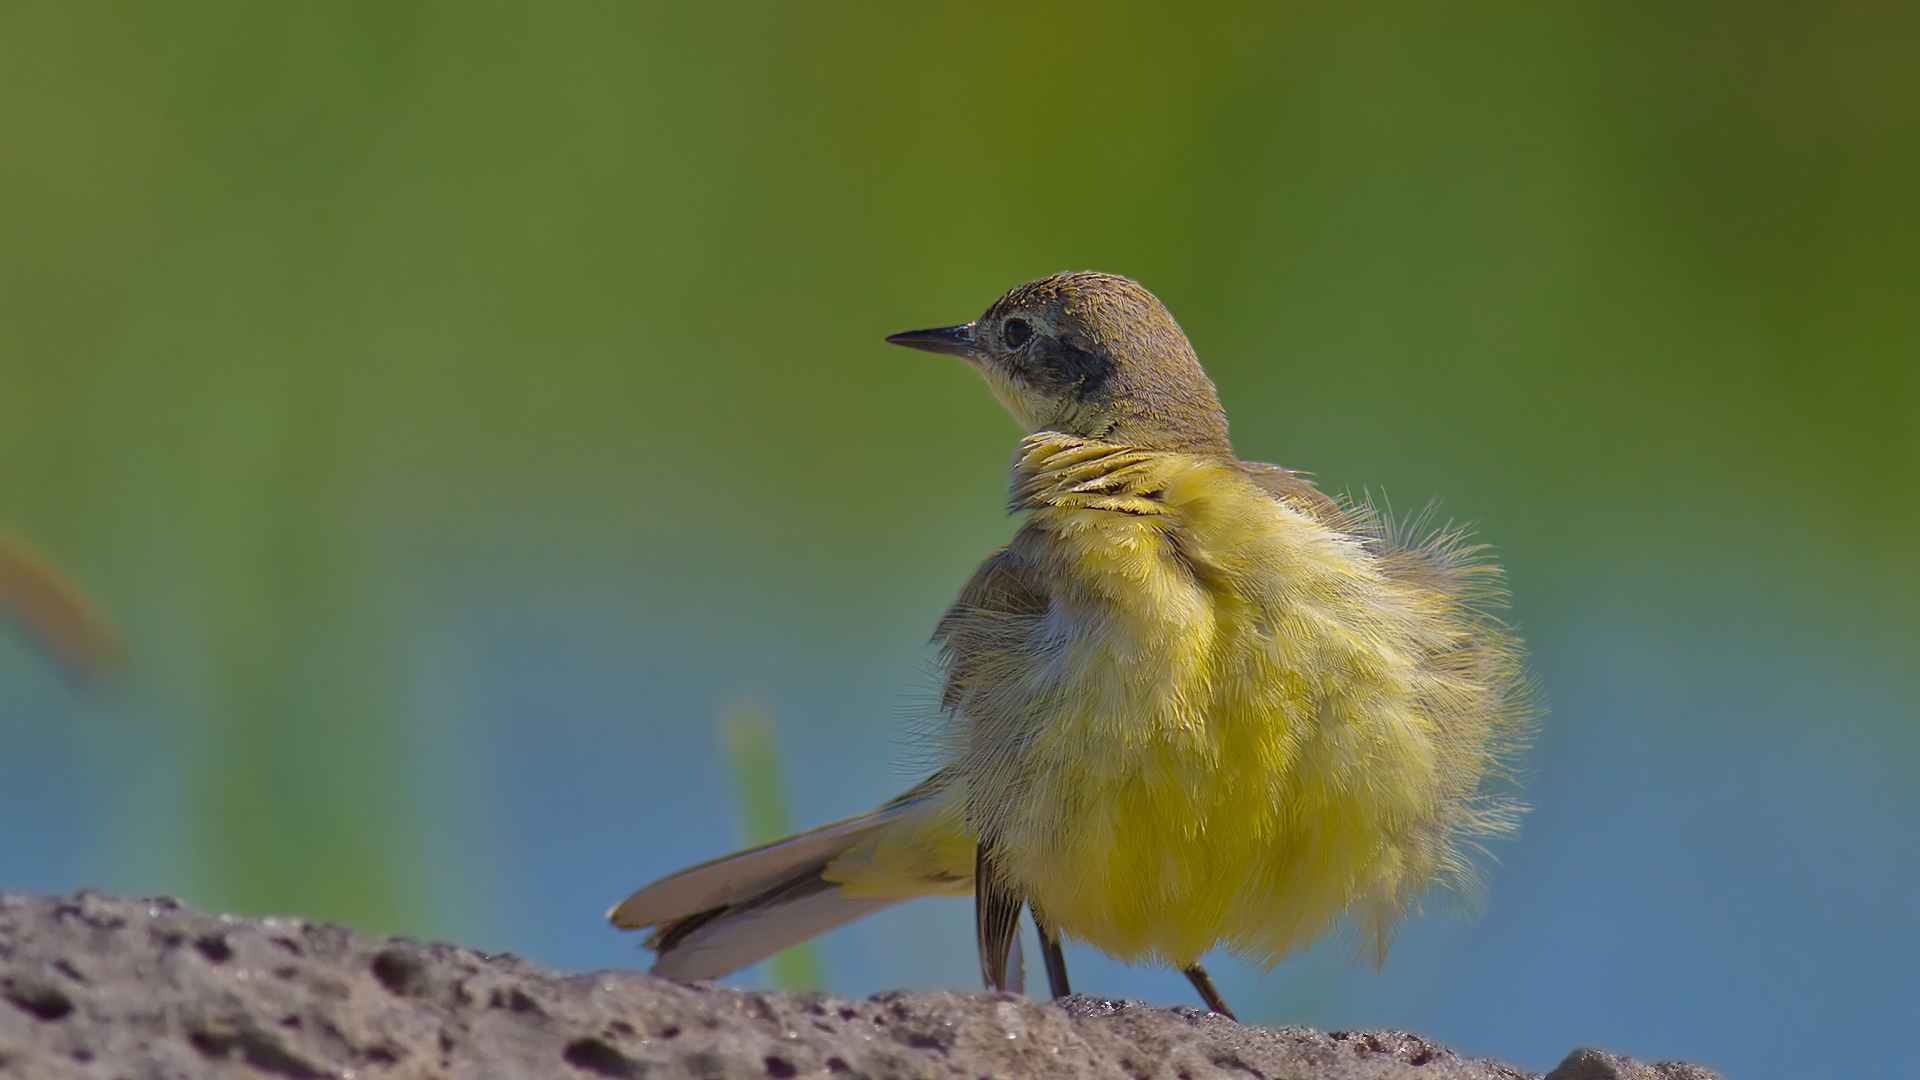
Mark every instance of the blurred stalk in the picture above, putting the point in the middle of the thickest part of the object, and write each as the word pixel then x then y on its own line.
pixel 746 736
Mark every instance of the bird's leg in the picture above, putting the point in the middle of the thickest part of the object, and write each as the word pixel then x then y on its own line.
pixel 1050 948
pixel 1209 993
pixel 996 918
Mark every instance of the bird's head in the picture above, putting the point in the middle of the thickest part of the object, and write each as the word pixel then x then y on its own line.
pixel 1093 355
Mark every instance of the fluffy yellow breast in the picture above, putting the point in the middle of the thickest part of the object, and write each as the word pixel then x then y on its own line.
pixel 1189 712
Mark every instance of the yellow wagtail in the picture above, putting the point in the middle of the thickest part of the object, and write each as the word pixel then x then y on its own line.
pixel 1195 702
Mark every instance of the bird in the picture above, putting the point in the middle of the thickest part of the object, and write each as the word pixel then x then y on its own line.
pixel 1195 703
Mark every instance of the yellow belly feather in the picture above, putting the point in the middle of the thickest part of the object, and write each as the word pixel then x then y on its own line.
pixel 1231 724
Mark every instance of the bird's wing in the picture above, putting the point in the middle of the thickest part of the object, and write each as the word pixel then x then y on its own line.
pixel 1295 489
pixel 1002 594
pixel 993 613
pixel 996 923
pixel 1416 550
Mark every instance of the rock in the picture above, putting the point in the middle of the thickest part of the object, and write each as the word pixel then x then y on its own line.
pixel 1589 1064
pixel 92 986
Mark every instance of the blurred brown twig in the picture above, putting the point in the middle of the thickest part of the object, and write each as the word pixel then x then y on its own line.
pixel 54 608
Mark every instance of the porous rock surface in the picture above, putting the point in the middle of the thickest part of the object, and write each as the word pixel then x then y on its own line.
pixel 92 986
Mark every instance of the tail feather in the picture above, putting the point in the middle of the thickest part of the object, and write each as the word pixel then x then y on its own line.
pixel 734 937
pixel 739 909
pixel 720 916
pixel 743 876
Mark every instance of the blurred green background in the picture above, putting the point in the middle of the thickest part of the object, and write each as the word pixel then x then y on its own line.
pixel 457 405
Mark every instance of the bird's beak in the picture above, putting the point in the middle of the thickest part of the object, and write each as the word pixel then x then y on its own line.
pixel 952 340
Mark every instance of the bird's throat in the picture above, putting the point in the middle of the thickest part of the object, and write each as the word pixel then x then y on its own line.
pixel 1054 469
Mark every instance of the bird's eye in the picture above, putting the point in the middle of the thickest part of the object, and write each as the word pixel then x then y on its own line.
pixel 1016 332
